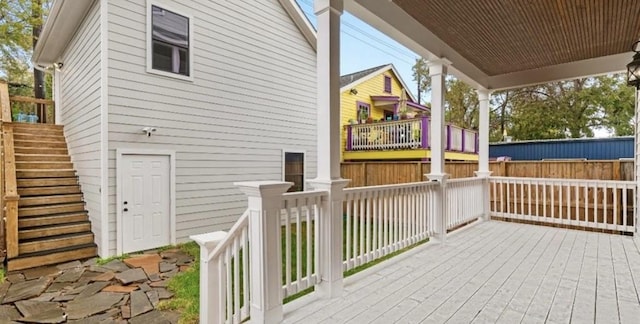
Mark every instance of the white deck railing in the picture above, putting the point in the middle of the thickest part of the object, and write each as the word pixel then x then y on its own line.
pixel 383 219
pixel 599 204
pixel 464 201
pixel 300 211
pixel 224 271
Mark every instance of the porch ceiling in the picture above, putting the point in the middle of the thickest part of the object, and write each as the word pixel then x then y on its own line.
pixel 508 43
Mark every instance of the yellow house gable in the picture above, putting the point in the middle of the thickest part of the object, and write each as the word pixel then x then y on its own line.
pixel 362 93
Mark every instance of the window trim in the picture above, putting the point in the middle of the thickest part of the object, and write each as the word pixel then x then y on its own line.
pixel 387 80
pixel 149 40
pixel 304 165
pixel 362 103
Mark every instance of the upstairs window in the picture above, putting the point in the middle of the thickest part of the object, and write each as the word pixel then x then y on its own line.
pixel 364 111
pixel 387 84
pixel 170 43
pixel 294 170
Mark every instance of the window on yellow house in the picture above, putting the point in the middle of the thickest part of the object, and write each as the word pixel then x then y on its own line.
pixel 364 110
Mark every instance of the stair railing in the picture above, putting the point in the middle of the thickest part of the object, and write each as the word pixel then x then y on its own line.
pixel 9 195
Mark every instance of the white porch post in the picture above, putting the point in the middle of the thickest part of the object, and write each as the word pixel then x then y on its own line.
pixel 438 73
pixel 328 13
pixel 265 275
pixel 483 149
pixel 636 155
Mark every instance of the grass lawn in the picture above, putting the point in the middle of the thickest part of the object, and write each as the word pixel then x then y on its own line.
pixel 186 285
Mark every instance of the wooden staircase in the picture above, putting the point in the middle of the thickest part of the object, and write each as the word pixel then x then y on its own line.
pixel 53 225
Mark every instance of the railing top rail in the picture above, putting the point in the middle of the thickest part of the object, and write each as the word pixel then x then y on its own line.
pixel 571 181
pixel 388 122
pixel 305 194
pixel 391 186
pixel 469 179
pixel 31 100
pixel 234 232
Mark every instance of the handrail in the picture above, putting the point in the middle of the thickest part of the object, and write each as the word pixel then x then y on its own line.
pixel 31 100
pixel 11 192
pixel 236 230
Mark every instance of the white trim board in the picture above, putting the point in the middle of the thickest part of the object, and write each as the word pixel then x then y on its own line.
pixel 172 189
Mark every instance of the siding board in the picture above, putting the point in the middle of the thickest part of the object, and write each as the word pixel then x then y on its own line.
pixel 253 95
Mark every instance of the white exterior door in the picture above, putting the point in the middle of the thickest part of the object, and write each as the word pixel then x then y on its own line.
pixel 145 192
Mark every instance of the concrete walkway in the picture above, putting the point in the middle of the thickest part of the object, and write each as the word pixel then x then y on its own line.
pixel 84 292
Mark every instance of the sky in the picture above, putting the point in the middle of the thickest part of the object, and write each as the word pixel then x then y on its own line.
pixel 363 47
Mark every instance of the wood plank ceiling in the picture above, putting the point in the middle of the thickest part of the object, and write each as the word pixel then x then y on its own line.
pixel 503 36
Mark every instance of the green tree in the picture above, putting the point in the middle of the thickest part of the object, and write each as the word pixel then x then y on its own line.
pixel 421 77
pixel 20 21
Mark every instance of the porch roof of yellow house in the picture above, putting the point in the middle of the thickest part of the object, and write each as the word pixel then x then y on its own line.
pixel 508 43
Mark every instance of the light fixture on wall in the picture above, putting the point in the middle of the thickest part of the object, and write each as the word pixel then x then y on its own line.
pixel 633 68
pixel 353 91
pixel 58 65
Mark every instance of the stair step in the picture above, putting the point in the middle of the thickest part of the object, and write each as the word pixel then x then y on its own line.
pixel 38 143
pixel 53 230
pixel 55 242
pixel 47 191
pixel 44 220
pixel 49 210
pixel 47 182
pixel 41 150
pixel 42 157
pixel 36 126
pixel 54 173
pixel 20 136
pixel 46 165
pixel 61 255
pixel 49 200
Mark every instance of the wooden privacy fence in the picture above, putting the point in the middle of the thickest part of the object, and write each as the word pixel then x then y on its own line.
pixel 364 174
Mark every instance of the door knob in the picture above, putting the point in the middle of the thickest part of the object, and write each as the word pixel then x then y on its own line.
pixel 126 209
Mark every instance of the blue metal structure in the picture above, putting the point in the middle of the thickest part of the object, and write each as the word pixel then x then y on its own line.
pixel 612 148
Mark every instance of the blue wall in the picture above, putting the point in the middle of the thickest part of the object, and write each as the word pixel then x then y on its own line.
pixel 591 149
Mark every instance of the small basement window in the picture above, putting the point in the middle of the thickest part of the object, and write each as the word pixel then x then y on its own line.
pixel 294 170
pixel 170 43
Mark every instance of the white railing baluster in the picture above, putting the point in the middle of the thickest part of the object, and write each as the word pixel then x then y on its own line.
pixel 586 203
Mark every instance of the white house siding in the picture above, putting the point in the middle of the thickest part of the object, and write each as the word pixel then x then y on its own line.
pixel 253 95
pixel 80 110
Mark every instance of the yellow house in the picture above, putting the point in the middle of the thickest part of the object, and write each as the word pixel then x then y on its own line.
pixel 382 120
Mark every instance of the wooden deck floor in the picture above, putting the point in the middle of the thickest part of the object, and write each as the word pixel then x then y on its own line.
pixel 493 272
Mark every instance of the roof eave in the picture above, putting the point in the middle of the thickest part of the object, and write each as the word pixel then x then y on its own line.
pixel 301 21
pixel 60 27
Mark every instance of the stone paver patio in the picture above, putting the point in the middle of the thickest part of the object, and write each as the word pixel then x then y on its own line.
pixel 84 292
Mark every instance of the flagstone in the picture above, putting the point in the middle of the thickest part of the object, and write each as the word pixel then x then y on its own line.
pixel 98 303
pixel 93 289
pixel 26 290
pixel 107 276
pixel 120 289
pixel 140 304
pixel 8 313
pixel 69 265
pixel 15 277
pixel 116 266
pixel 70 275
pixel 148 262
pixel 131 276
pixel 41 272
pixel 153 317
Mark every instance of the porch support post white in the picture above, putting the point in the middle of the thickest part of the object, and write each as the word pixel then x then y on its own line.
pixel 211 296
pixel 265 275
pixel 328 14
pixel 438 73
pixel 636 155
pixel 483 148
